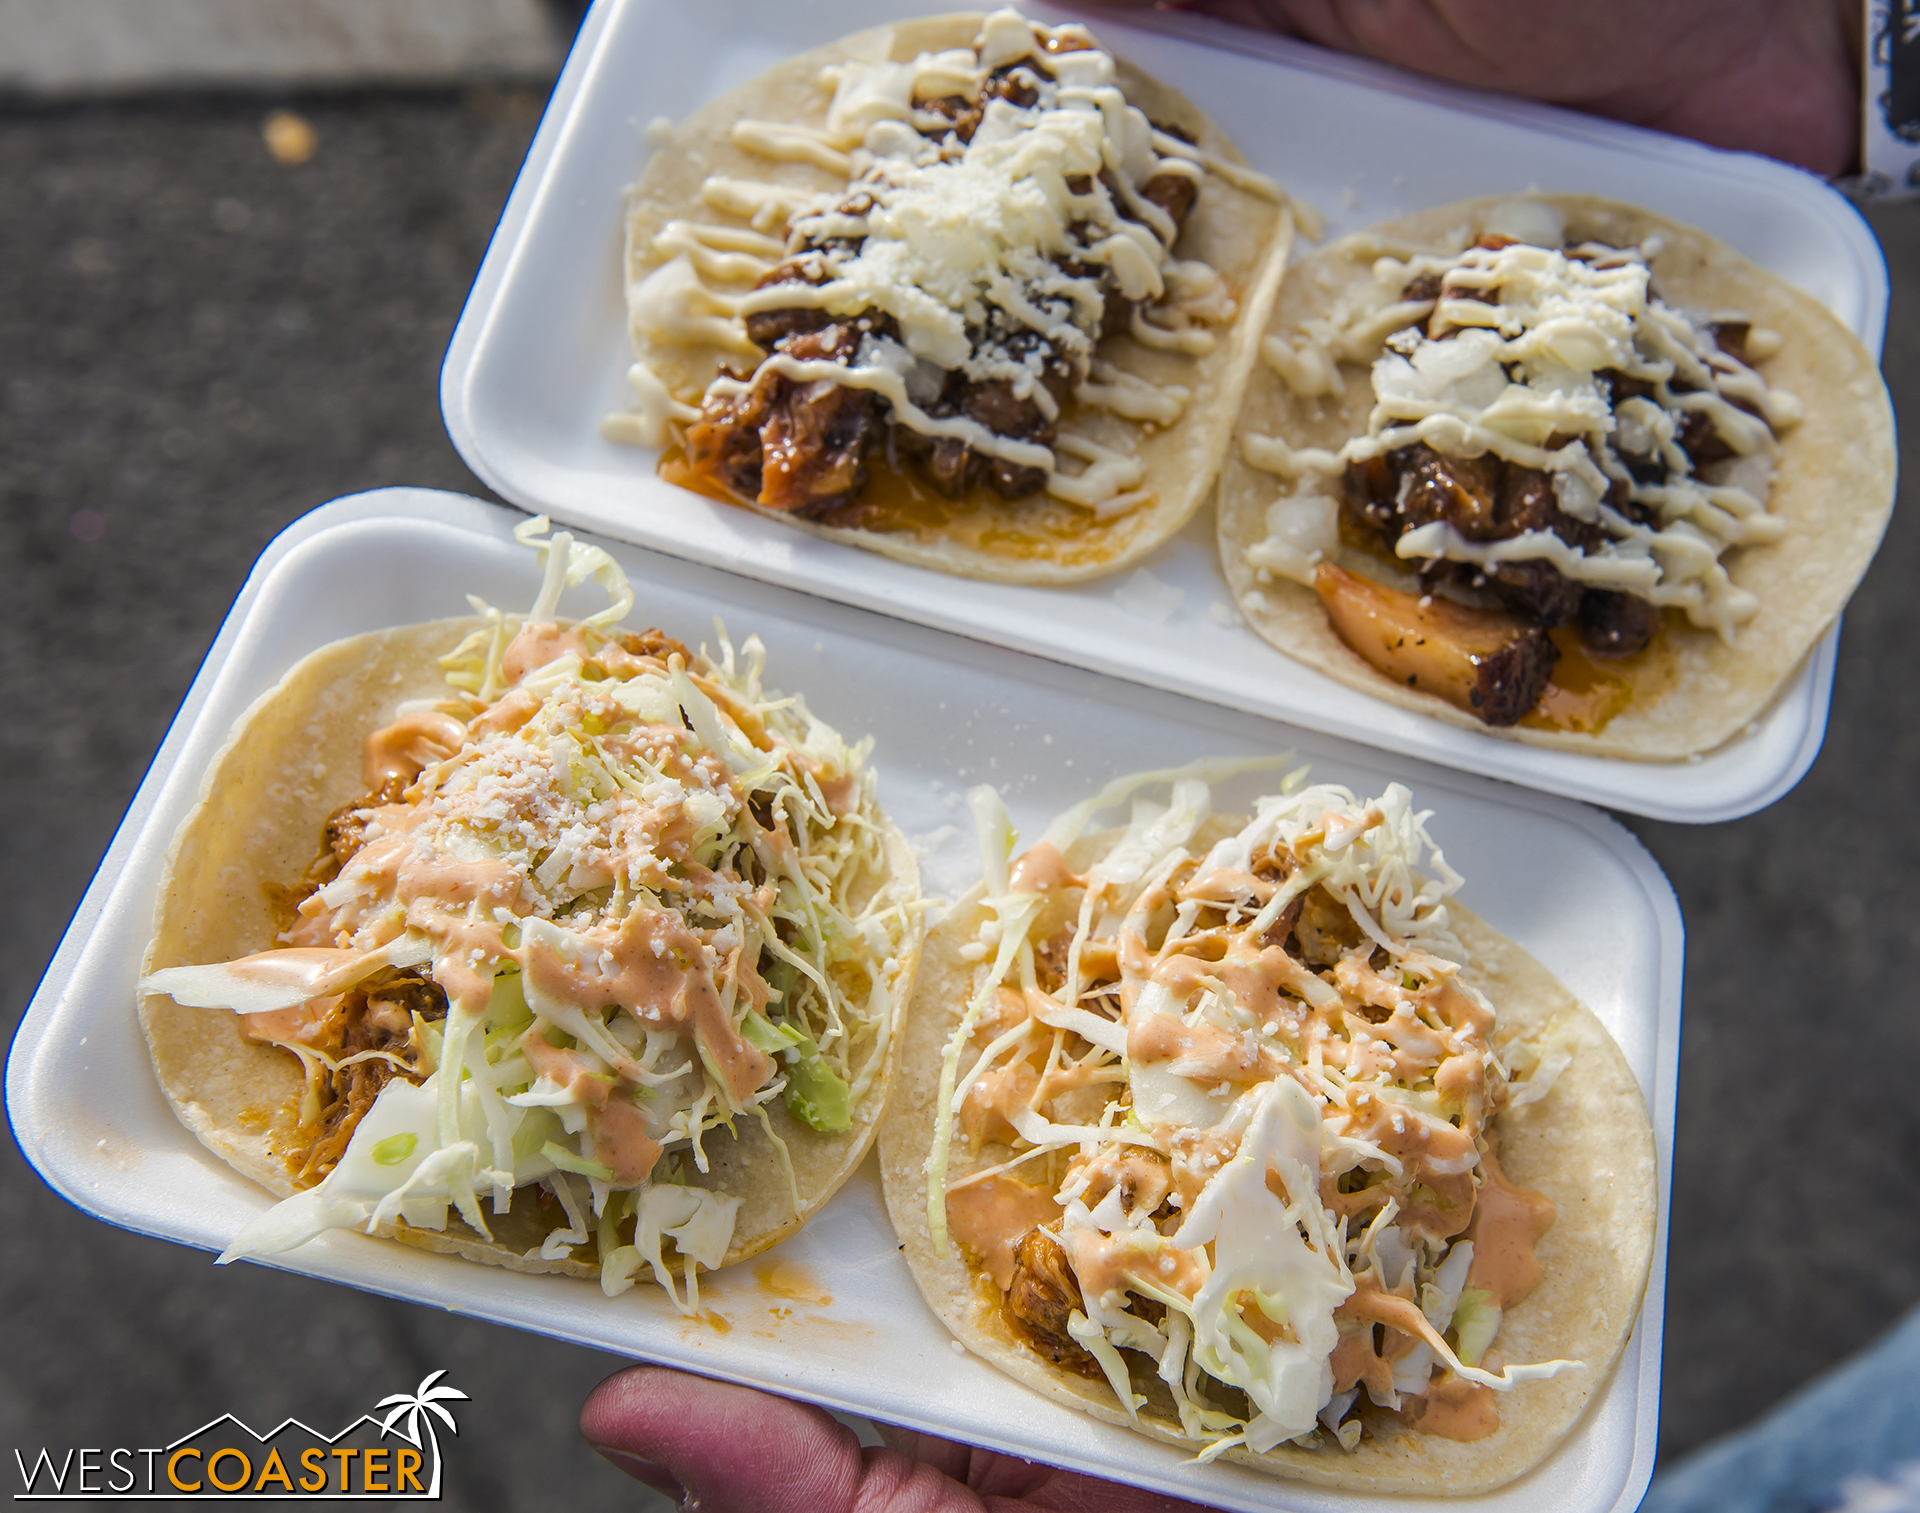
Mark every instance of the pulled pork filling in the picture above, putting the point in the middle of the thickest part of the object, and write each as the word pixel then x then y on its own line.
pixel 604 899
pixel 1552 448
pixel 1231 1114
pixel 1005 212
pixel 375 1034
pixel 801 444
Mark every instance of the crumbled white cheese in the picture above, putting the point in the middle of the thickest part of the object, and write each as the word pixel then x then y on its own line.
pixel 968 247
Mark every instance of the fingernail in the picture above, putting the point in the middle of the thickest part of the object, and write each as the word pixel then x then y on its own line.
pixel 657 1477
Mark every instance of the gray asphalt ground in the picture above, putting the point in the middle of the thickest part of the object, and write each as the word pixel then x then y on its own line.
pixel 198 344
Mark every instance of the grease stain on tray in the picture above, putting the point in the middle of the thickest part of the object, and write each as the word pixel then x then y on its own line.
pixel 792 1281
pixel 785 1326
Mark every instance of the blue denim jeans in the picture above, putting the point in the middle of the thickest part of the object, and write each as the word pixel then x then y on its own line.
pixel 1847 1440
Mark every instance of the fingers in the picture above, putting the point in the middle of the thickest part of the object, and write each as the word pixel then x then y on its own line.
pixel 727 1447
pixel 994 1478
pixel 1006 1484
pixel 944 1455
pixel 733 1450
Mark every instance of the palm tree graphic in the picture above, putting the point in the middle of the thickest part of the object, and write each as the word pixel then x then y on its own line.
pixel 421 1407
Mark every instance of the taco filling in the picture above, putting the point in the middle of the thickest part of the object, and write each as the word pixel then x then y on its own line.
pixel 599 905
pixel 1238 1107
pixel 1560 458
pixel 1003 214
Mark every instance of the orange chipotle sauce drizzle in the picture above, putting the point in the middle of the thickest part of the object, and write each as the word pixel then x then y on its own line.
pixel 1508 1222
pixel 990 1216
pixel 1452 1184
pixel 649 963
pixel 1455 1409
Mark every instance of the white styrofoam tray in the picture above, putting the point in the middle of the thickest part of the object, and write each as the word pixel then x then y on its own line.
pixel 541 351
pixel 946 712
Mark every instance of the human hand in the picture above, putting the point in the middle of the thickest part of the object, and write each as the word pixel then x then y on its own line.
pixel 731 1449
pixel 1779 77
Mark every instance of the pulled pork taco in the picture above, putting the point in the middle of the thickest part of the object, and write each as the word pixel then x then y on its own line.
pixel 560 947
pixel 1555 467
pixel 966 291
pixel 1239 1132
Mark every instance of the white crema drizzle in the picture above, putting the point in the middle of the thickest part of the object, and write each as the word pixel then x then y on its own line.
pixel 961 245
pixel 1518 378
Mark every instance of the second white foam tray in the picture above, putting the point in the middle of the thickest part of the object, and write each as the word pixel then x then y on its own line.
pixel 541 352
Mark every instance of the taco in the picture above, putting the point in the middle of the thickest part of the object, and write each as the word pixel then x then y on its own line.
pixel 1239 1132
pixel 556 946
pixel 966 291
pixel 1555 467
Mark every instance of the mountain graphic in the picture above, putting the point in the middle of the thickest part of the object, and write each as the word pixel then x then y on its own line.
pixel 397 1456
pixel 285 1424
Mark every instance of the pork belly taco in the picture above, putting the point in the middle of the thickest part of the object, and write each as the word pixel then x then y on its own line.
pixel 1238 1131
pixel 967 291
pixel 558 946
pixel 1555 467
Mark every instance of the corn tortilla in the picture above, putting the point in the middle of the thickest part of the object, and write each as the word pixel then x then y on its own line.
pixel 1588 1145
pixel 1243 236
pixel 293 759
pixel 1690 691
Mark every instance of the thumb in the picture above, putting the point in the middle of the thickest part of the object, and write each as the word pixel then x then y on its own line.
pixel 734 1450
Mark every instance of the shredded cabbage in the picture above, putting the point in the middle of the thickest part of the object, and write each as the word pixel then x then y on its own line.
pixel 656 896
pixel 1246 1064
